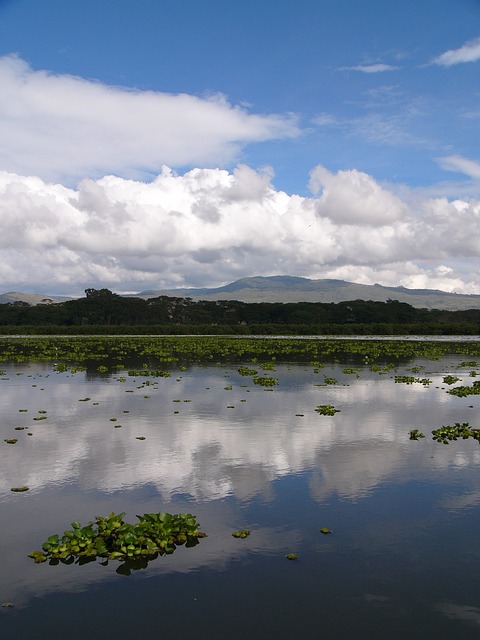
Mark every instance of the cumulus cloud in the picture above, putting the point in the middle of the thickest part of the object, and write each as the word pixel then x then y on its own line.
pixel 210 226
pixel 353 197
pixel 469 52
pixel 64 127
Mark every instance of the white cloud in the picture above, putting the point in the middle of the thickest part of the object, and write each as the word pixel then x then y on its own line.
pixel 209 226
pixel 371 68
pixel 469 52
pixel 64 127
pixel 353 197
pixel 458 164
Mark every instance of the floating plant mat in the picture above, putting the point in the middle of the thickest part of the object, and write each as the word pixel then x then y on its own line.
pixel 111 538
pixel 268 469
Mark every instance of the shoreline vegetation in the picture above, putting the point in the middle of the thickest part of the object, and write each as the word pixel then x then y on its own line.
pixel 102 312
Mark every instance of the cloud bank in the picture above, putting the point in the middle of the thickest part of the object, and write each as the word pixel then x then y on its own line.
pixel 209 226
pixel 63 127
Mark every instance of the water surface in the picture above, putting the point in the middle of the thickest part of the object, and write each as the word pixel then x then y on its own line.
pixel 403 558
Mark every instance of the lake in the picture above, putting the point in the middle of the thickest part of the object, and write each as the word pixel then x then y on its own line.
pixel 403 556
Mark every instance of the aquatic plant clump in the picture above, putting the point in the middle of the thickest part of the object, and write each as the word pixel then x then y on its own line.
pixel 245 371
pixel 412 380
pixel 326 410
pixel 415 434
pixel 148 372
pixel 461 392
pixel 265 382
pixel 243 533
pixel 111 538
pixel 450 379
pixel 449 433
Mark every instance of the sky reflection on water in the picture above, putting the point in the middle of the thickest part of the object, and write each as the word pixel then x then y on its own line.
pixel 254 457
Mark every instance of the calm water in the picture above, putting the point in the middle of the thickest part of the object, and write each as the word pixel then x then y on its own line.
pixel 403 560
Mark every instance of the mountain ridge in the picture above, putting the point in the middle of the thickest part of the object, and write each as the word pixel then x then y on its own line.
pixel 290 289
pixel 298 289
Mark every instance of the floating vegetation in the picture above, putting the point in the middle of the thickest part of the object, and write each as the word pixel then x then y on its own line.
pixel 243 533
pixel 377 368
pixel 111 538
pixel 327 380
pixel 19 489
pixel 40 418
pixel 461 392
pixel 245 371
pixel 228 387
pixel 267 366
pixel 152 374
pixel 84 399
pixel 447 434
pixel 291 556
pixel 382 355
pixel 265 381
pixel 325 531
pixel 11 440
pixel 415 434
pixel 326 410
pixel 412 380
pixel 450 379
pixel 140 437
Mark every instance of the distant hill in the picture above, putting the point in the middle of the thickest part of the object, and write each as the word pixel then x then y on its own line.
pixel 291 289
pixel 296 289
pixel 30 298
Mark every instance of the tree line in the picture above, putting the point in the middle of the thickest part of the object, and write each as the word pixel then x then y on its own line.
pixel 102 308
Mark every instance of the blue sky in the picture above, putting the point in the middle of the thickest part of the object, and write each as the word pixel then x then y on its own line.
pixel 150 143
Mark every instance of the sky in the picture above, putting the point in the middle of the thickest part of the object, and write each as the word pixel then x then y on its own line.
pixel 150 144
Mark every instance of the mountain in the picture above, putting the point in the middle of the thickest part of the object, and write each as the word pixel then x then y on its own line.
pixel 296 289
pixel 292 289
pixel 30 298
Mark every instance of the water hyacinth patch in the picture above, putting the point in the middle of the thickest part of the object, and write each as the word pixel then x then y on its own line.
pixel 111 538
pixel 461 392
pixel 243 533
pixel 449 433
pixel 245 371
pixel 415 434
pixel 265 382
pixel 450 379
pixel 326 410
